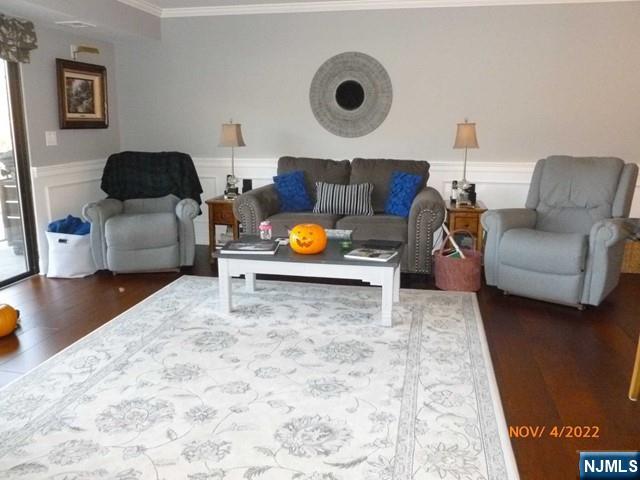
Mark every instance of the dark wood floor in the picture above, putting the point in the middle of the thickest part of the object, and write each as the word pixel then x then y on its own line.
pixel 555 366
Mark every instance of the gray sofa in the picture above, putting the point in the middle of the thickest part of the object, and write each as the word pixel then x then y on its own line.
pixel 425 217
pixel 143 234
pixel 566 246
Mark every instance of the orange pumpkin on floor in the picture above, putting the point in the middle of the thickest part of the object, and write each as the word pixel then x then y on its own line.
pixel 308 238
pixel 8 320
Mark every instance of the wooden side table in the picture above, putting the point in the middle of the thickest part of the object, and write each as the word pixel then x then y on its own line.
pixel 467 218
pixel 631 257
pixel 221 213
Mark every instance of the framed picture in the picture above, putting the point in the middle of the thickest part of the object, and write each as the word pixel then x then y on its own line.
pixel 82 94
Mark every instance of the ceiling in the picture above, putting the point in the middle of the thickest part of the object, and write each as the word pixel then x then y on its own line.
pixel 104 19
pixel 197 8
pixel 216 3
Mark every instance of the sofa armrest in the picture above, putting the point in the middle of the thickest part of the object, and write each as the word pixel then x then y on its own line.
pixel 499 221
pixel 495 223
pixel 101 210
pixel 608 232
pixel 425 217
pixel 606 248
pixel 253 207
pixel 186 210
pixel 97 213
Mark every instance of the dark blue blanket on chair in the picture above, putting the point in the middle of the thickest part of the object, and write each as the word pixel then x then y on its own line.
pixel 148 175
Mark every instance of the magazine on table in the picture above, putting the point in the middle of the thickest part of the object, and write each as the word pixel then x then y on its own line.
pixel 371 254
pixel 250 247
pixel 382 244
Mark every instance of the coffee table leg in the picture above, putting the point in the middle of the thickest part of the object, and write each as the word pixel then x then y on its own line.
pixel 388 292
pixel 396 285
pixel 250 281
pixel 224 285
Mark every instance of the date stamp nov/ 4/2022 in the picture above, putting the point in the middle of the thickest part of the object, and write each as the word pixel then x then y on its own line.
pixel 554 431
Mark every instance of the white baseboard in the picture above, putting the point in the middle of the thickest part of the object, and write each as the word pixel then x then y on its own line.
pixel 63 189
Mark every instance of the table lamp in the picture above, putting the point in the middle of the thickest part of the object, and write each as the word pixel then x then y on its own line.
pixel 231 136
pixel 465 138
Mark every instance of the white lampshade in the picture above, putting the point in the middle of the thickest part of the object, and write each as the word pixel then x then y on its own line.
pixel 466 136
pixel 231 135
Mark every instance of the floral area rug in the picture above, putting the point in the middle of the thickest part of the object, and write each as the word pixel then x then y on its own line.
pixel 298 383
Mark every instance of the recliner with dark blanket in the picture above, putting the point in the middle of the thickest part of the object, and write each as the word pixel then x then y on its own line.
pixel 146 223
pixel 566 246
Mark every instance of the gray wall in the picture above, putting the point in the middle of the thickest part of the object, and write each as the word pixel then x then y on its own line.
pixel 537 79
pixel 41 102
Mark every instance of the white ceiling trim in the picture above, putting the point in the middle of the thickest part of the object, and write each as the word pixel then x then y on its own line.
pixel 145 6
pixel 334 6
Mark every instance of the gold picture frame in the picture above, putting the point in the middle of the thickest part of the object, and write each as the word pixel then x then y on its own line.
pixel 82 95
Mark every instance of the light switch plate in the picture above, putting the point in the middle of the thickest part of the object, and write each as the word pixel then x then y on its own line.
pixel 51 138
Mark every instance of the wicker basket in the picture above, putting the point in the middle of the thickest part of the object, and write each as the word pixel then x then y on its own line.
pixel 459 274
pixel 631 258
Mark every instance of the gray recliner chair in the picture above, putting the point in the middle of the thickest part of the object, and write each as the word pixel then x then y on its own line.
pixel 566 246
pixel 142 234
pixel 146 223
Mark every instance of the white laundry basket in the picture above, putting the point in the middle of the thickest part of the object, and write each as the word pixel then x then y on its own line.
pixel 69 255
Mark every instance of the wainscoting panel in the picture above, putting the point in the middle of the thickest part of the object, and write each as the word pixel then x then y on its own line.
pixel 63 189
pixel 498 185
pixel 61 199
pixel 213 177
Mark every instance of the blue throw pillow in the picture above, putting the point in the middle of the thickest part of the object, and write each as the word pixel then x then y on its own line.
pixel 403 188
pixel 292 192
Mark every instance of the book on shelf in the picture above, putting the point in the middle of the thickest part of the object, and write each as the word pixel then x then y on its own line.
pixel 371 254
pixel 250 247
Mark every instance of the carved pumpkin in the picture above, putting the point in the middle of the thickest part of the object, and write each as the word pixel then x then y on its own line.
pixel 8 320
pixel 308 238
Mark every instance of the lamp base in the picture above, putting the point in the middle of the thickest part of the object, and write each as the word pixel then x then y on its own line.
pixel 231 190
pixel 231 193
pixel 466 193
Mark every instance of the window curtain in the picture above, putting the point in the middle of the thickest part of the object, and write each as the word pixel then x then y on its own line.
pixel 17 39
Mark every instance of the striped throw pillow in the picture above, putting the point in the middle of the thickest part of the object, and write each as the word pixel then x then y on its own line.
pixel 344 199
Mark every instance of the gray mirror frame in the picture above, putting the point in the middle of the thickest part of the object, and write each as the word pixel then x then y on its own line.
pixel 378 94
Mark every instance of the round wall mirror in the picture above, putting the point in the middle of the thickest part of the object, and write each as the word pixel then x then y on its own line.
pixel 350 95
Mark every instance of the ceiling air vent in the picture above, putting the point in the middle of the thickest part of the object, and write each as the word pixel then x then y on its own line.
pixel 75 24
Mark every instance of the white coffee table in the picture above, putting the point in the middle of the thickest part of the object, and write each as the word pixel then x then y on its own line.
pixel 328 264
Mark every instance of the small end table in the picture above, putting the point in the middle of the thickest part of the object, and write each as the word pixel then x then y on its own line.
pixel 221 213
pixel 467 218
pixel 631 258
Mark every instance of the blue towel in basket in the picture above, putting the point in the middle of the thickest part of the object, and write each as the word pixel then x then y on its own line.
pixel 71 224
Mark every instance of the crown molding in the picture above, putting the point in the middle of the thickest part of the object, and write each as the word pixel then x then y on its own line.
pixel 347 5
pixel 334 6
pixel 145 6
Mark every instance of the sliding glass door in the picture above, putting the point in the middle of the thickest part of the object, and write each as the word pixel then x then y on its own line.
pixel 18 257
